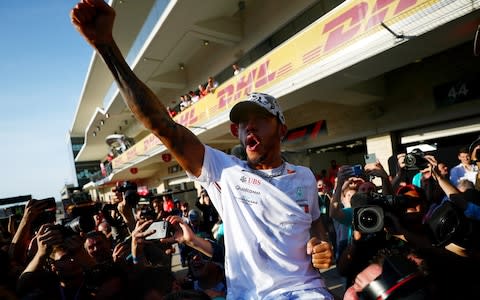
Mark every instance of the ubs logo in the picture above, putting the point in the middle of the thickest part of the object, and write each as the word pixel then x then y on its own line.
pixel 250 180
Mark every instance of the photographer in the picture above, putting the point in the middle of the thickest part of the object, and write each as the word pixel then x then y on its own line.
pixel 371 234
pixel 446 243
pixel 57 268
pixel 340 211
pixel 119 214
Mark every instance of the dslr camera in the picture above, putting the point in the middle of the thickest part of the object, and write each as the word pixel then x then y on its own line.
pixel 415 160
pixel 448 224
pixel 368 210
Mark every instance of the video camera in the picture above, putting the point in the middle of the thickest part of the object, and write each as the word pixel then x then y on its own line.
pixel 368 210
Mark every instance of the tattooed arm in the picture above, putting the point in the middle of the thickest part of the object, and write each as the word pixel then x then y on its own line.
pixel 94 20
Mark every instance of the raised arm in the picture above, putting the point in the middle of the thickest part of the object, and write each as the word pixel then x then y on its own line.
pixel 94 20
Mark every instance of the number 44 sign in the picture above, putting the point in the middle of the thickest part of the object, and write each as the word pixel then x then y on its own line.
pixel 457 91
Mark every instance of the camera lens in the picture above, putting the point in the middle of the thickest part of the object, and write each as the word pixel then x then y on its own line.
pixel 447 226
pixel 369 219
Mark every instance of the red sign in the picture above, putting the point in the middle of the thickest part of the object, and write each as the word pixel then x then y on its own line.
pixel 134 170
pixel 166 157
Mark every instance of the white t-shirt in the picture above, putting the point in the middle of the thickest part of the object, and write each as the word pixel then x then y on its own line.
pixel 266 224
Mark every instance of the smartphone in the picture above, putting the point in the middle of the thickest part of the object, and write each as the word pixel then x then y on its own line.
pixel 370 158
pixel 161 230
pixel 357 170
pixel 51 205
pixel 49 213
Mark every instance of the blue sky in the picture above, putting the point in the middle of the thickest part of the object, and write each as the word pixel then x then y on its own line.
pixel 43 67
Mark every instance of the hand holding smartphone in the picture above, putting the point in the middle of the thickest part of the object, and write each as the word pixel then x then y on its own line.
pixel 370 158
pixel 161 230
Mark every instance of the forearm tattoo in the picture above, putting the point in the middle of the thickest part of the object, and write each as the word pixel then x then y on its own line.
pixel 139 98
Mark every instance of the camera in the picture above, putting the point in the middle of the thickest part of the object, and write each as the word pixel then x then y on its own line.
pixel 122 187
pixel 83 223
pixel 415 160
pixel 448 224
pixel 147 213
pixel 400 279
pixel 80 213
pixel 369 210
pixel 130 192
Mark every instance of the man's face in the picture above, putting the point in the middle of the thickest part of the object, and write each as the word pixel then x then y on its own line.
pixel 206 198
pixel 66 267
pixel 157 205
pixel 320 185
pixel 98 248
pixel 464 158
pixel 118 197
pixel 261 134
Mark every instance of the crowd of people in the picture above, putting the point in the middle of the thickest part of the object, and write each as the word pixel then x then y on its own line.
pixel 262 228
pixel 104 251
pixel 420 222
pixel 203 90
pixel 193 97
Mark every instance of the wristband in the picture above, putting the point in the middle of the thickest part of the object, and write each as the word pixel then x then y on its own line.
pixel 136 259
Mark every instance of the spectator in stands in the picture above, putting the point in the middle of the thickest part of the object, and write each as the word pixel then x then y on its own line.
pixel 212 85
pixel 202 91
pixel 194 96
pixel 236 69
pixel 171 112
pixel 281 241
pixel 184 103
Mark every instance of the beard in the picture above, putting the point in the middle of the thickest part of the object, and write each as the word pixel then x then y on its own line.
pixel 256 161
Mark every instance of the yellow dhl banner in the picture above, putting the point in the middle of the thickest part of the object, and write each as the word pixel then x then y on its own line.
pixel 343 26
pixel 340 28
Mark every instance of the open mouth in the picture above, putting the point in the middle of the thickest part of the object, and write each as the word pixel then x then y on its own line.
pixel 251 142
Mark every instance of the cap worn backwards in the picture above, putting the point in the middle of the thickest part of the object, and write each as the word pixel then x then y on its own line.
pixel 255 101
pixel 474 144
